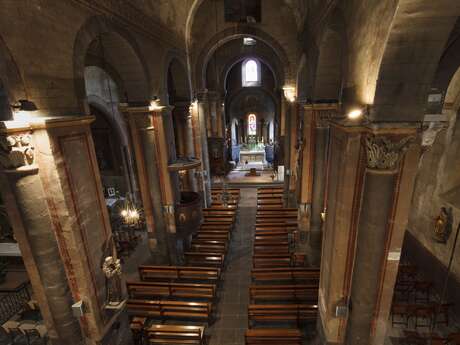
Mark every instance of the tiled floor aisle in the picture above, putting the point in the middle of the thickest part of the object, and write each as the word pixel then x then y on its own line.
pixel 231 315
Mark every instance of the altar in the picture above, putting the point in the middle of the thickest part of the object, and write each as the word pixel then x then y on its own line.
pixel 252 156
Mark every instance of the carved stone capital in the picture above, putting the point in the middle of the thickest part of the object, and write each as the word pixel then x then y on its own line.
pixel 384 153
pixel 16 152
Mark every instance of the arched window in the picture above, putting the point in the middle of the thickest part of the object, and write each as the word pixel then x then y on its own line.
pixel 251 73
pixel 252 124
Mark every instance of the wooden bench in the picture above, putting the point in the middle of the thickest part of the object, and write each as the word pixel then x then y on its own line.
pixel 285 274
pixel 210 243
pixel 175 334
pixel 281 248
pixel 205 259
pixel 225 232
pixel 225 226
pixel 273 336
pixel 282 313
pixel 205 235
pixel 272 260
pixel 219 219
pixel 221 249
pixel 269 237
pixel 169 309
pixel 172 273
pixel 298 292
pixel 222 208
pixel 147 290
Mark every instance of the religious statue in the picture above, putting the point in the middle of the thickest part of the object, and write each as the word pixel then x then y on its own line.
pixel 112 270
pixel 442 226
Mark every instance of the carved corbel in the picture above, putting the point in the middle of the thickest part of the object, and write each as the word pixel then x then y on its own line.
pixel 384 153
pixel 17 152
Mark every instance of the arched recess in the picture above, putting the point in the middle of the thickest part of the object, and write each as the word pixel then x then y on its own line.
pixel 327 58
pixel 11 83
pixel 110 133
pixel 225 36
pixel 411 57
pixel 179 97
pixel 99 39
pixel 328 77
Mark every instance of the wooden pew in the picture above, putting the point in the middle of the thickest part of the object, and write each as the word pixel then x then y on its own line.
pixel 149 290
pixel 262 210
pixel 222 208
pixel 205 235
pixel 298 292
pixel 271 237
pixel 211 243
pixel 172 273
pixel 273 336
pixel 282 312
pixel 215 231
pixel 281 248
pixel 260 275
pixel 204 259
pixel 175 334
pixel 210 226
pixel 218 219
pixel 165 309
pixel 221 249
pixel 272 260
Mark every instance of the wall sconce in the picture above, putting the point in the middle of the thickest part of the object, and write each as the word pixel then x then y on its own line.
pixel 24 105
pixel 289 93
pixel 357 113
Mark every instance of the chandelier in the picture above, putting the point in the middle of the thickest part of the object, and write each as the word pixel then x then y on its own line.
pixel 130 213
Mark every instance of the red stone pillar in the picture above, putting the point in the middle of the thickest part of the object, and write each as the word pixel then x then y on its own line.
pixel 62 222
pixel 370 180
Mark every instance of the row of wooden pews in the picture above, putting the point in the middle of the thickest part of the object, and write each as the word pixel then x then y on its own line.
pixel 283 291
pixel 184 294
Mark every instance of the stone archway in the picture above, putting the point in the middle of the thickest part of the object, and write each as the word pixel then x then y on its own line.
pixel 110 43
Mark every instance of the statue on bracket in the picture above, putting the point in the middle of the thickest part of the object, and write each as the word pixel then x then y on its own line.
pixel 443 225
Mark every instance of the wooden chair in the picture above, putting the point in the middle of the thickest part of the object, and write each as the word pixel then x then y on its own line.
pixel 273 336
pixel 423 315
pixel 401 313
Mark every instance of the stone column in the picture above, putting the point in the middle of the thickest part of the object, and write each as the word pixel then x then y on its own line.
pixel 314 161
pixel 369 185
pixel 143 140
pixel 290 154
pixel 199 117
pixel 25 200
pixel 377 253
pixel 169 182
pixel 190 149
pixel 64 228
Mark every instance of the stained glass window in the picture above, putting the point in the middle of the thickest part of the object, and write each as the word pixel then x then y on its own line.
pixel 252 124
pixel 251 73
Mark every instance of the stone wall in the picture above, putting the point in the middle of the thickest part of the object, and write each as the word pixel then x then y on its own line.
pixel 436 187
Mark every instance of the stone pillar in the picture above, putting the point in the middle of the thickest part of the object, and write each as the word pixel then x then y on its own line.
pixel 369 185
pixel 169 182
pixel 290 154
pixel 25 199
pixel 58 211
pixel 144 141
pixel 377 254
pixel 313 174
pixel 190 149
pixel 199 116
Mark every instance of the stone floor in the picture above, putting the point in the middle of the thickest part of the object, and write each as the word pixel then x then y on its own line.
pixel 231 314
